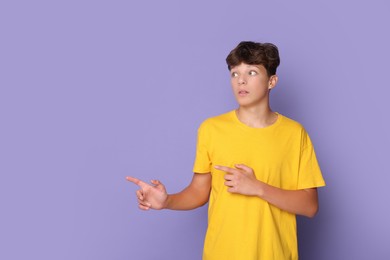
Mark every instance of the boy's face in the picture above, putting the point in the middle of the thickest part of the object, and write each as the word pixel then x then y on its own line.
pixel 251 84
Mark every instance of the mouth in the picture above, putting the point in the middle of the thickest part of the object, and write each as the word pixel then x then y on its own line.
pixel 242 93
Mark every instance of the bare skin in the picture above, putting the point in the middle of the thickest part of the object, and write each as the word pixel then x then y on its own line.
pixel 239 180
pixel 154 195
pixel 251 87
pixel 242 180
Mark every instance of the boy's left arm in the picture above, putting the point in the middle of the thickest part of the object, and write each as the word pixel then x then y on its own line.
pixel 242 180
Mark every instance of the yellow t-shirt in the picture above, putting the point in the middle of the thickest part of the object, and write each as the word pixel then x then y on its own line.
pixel 244 227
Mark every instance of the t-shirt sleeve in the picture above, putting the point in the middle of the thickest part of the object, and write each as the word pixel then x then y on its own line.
pixel 309 174
pixel 202 162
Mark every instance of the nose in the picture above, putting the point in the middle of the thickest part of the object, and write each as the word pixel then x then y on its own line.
pixel 241 80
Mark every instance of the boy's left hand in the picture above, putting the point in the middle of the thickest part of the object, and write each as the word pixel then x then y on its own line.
pixel 241 180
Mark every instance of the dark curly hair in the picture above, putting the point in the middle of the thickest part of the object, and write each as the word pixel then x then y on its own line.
pixel 255 53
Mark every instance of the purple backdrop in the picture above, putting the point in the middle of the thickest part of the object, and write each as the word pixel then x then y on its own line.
pixel 92 91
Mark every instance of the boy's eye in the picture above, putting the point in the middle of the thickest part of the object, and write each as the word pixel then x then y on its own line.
pixel 234 74
pixel 252 73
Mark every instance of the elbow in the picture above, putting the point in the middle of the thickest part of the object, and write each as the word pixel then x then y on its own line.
pixel 311 214
pixel 312 205
pixel 200 202
pixel 204 198
pixel 312 211
pixel 204 202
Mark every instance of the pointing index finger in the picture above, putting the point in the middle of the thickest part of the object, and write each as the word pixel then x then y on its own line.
pixel 225 169
pixel 135 181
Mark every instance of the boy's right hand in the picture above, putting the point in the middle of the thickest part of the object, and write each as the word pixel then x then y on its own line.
pixel 150 196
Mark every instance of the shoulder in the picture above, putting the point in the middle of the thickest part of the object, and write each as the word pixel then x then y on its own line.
pixel 216 121
pixel 296 131
pixel 292 128
pixel 291 124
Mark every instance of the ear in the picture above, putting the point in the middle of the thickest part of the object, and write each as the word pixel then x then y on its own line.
pixel 272 81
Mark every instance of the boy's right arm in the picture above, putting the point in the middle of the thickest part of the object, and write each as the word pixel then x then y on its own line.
pixel 154 196
pixel 193 196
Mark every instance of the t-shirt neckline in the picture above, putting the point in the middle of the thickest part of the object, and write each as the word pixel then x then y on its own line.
pixel 237 120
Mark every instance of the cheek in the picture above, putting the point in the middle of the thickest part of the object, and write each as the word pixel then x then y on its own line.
pixel 233 83
pixel 260 83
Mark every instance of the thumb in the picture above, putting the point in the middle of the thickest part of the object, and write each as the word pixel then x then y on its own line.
pixel 158 184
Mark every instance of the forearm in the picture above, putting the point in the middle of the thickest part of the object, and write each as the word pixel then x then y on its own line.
pixel 302 202
pixel 194 196
pixel 187 199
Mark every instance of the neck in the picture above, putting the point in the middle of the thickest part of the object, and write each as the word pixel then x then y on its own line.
pixel 257 117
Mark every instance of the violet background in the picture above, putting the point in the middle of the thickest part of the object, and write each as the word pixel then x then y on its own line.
pixel 93 91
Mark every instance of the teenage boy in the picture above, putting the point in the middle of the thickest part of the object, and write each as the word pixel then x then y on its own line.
pixel 255 167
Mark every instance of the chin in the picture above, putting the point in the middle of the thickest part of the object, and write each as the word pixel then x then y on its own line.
pixel 245 104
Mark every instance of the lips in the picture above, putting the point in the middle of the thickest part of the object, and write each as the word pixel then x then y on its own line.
pixel 243 93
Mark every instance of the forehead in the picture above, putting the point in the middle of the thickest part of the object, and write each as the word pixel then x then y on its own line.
pixel 245 66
